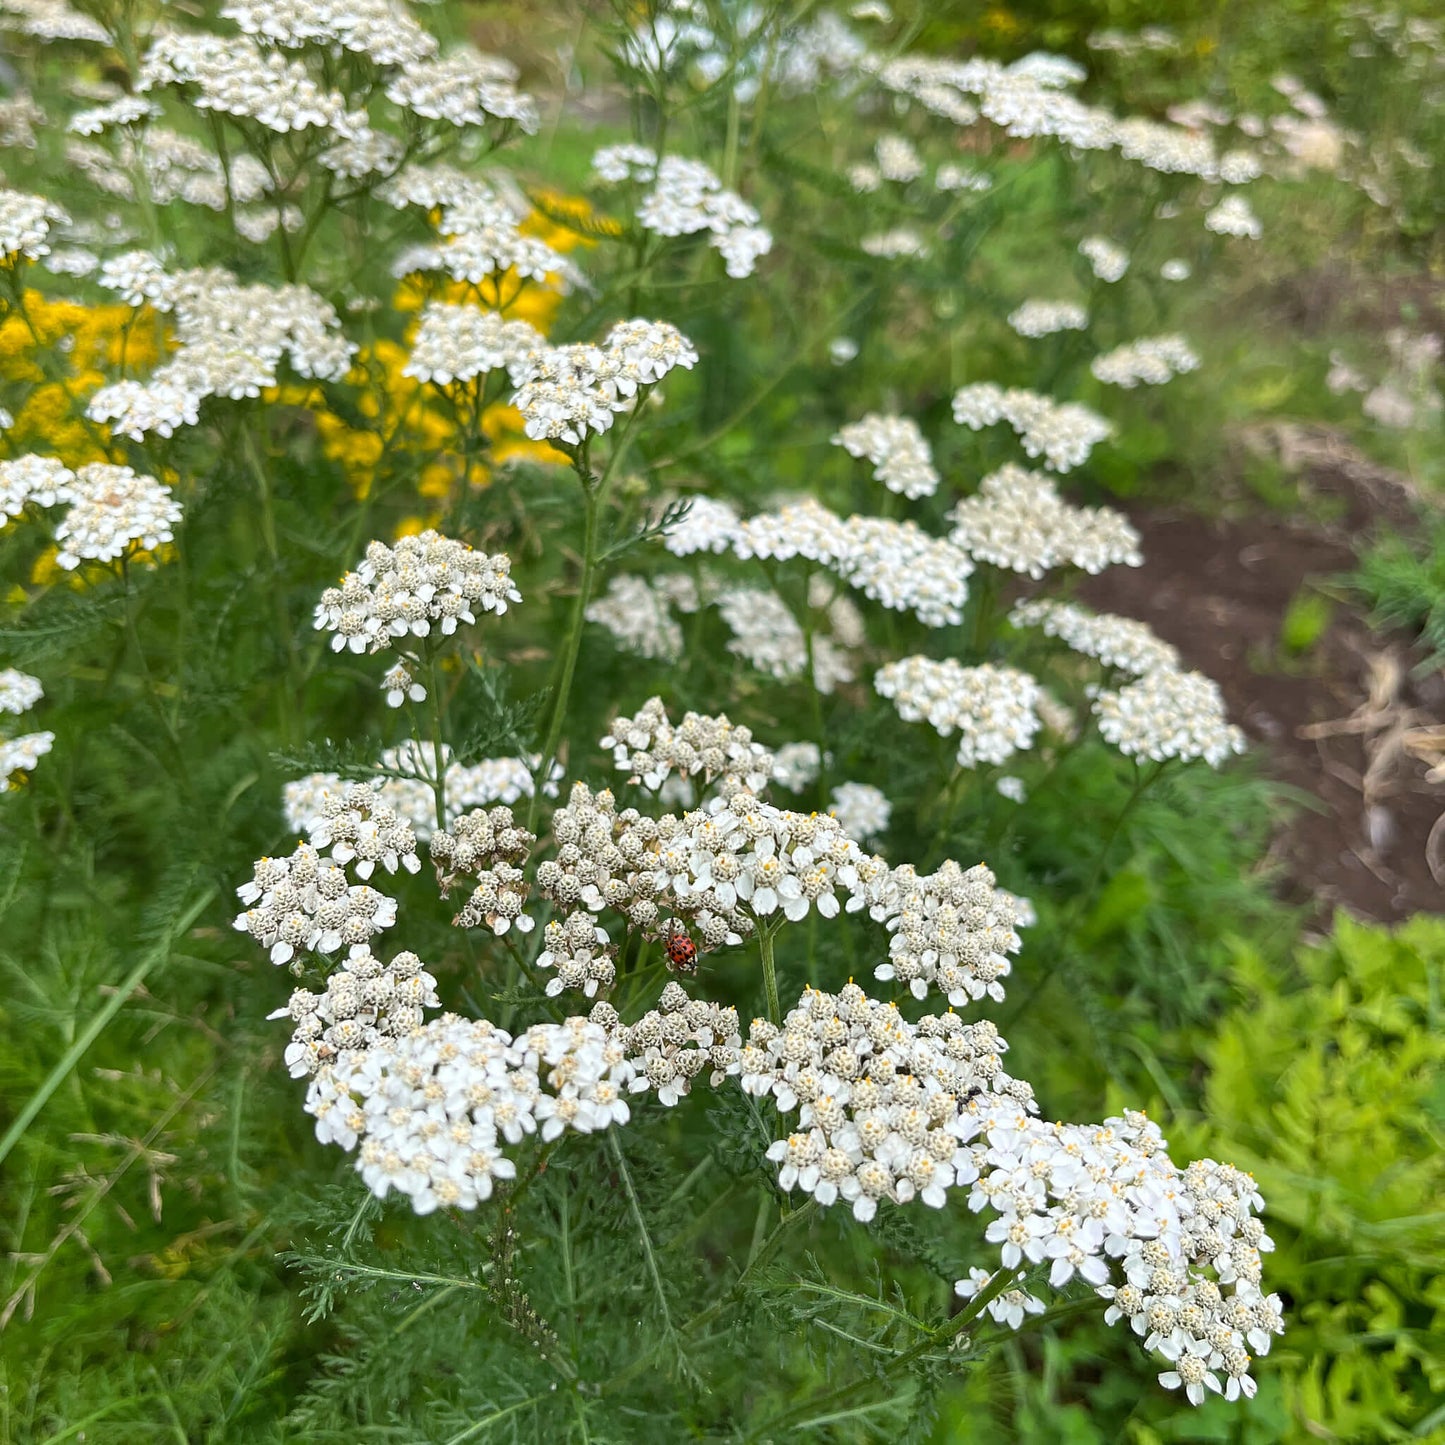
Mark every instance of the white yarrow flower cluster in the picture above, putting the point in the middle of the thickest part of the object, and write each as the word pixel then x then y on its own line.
pixel 679 1040
pixel 897 159
pixel 894 244
pixel 951 177
pixel 233 75
pixel 1152 360
pixel 306 903
pixel 1063 434
pixel 902 459
pixel 1168 714
pixel 25 224
pixel 1121 642
pixel 432 1112
pixel 797 765
pixel 709 525
pixel 1044 318
pixel 381 30
pixel 951 931
pixel 765 632
pixel 19 692
pixel 481 228
pixel 232 338
pixel 488 845
pixel 124 110
pixel 423 586
pixel 464 88
pixel 112 511
pixel 1233 217
pixel 569 393
pixel 366 1003
pixel 412 796
pixel 862 810
pixel 994 710
pixel 638 615
pixel 901 566
pixel 885 1107
pixel 651 749
pixel 363 830
pixel 1018 520
pixel 459 343
pixel 1107 261
pixel 687 199
pixel 22 755
pixel 32 481
pixel 1175 1252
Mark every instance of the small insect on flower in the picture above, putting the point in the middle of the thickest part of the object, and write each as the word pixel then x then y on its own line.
pixel 680 950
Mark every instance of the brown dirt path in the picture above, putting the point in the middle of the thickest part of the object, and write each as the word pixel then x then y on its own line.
pixel 1339 722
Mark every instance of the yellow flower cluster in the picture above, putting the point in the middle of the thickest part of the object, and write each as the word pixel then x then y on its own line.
pixel 401 414
pixel 53 355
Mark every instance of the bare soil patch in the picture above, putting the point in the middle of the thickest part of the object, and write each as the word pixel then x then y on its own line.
pixel 1350 723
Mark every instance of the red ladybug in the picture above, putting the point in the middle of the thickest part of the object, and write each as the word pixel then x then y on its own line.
pixel 681 951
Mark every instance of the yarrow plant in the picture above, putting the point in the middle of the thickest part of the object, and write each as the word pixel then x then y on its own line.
pixel 655 898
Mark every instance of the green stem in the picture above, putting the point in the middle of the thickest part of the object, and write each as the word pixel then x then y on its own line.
pixel 1143 780
pixel 593 495
pixel 770 975
pixel 949 1330
pixel 438 740
pixel 572 645
pixel 284 630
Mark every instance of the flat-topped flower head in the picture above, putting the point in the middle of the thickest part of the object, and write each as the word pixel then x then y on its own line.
pixel 1018 520
pixel 686 199
pixel 765 633
pixel 994 710
pixel 862 810
pixel 432 1114
pixel 1063 434
pixel 902 459
pixel 22 755
pixel 366 1002
pixel 796 765
pixel 1151 361
pixel 306 903
pixel 569 393
pixel 1168 714
pixel 1107 261
pixel 1043 318
pixel 905 569
pixel 464 88
pixel 648 746
pixel 458 343
pixel 381 30
pixel 231 340
pixel 1233 217
pixel 422 587
pixel 680 1040
pixel 1120 642
pixel 708 525
pixel 25 224
pixel 113 511
pixel 19 692
pixel 952 932
pixel 234 75
pixel 32 481
pixel 638 615
pixel 884 1106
